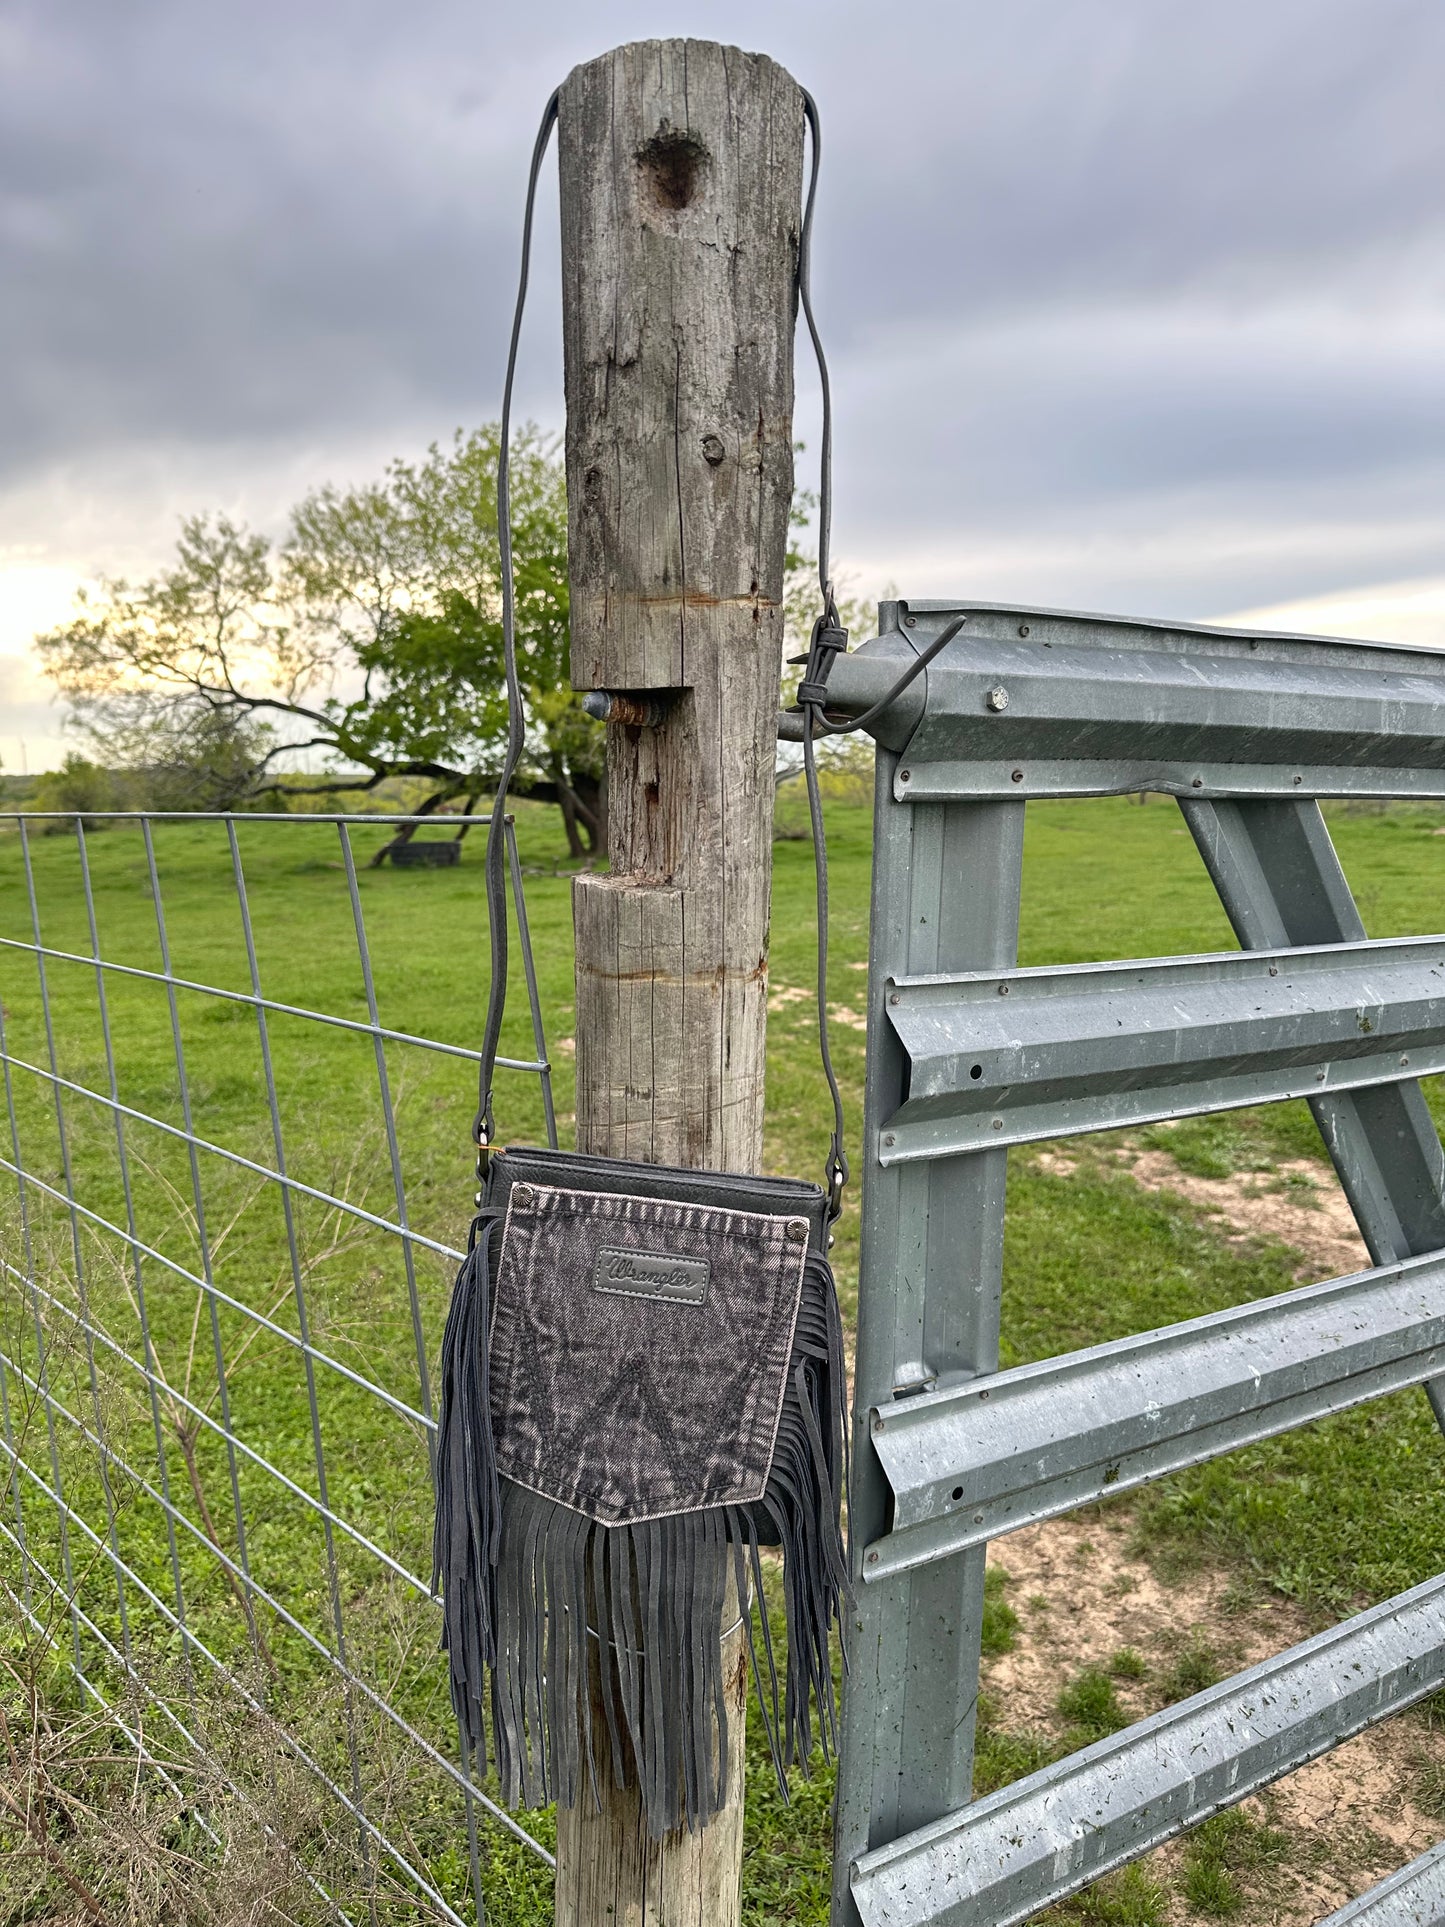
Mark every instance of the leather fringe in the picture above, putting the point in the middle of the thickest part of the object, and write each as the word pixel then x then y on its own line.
pixel 554 1604
pixel 468 1496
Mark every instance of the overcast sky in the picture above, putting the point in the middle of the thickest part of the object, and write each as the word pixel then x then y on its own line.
pixel 1134 305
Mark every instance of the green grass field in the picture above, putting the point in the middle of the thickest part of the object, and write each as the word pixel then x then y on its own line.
pixel 1333 1515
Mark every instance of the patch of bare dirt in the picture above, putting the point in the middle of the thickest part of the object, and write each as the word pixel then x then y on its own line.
pixel 1297 1201
pixel 1083 1597
pixel 781 995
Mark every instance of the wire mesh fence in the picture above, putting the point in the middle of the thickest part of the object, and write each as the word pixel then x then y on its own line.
pixel 232 1206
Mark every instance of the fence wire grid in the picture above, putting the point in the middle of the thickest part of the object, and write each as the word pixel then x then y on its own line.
pixel 232 1204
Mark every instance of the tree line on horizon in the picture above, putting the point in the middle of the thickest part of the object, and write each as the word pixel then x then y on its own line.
pixel 368 637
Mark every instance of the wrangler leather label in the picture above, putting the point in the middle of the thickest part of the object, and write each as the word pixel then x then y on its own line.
pixel 651 1274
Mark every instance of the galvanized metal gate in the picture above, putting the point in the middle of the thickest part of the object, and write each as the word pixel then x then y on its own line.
pixel 969 1054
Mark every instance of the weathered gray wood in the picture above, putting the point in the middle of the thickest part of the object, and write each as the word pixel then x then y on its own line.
pixel 681 170
pixel 610 1874
pixel 678 326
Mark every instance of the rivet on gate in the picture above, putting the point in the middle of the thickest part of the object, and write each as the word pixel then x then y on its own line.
pixel 888 1138
pixel 904 775
pixel 911 621
pixel 978 1518
pixel 983 1394
pixel 798 1231
pixel 1273 970
pixel 1404 1060
pixel 997 698
pixel 1198 783
pixel 522 1196
pixel 998 1124
pixel 1018 776
pixel 1297 781
pixel 1003 990
pixel 873 1558
pixel 895 998
pixel 1023 628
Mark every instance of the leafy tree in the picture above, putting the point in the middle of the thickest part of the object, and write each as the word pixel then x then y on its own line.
pixel 79 786
pixel 192 758
pixel 371 634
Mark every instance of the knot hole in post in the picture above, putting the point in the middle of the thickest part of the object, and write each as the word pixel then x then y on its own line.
pixel 672 163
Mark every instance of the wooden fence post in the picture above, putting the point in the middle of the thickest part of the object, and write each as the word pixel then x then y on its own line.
pixel 681 173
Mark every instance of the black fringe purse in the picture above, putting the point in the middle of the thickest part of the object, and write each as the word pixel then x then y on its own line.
pixel 642 1385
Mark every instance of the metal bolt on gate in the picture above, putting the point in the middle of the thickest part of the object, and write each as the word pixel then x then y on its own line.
pixel 969 1054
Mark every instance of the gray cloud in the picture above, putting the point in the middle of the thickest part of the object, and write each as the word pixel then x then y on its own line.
pixel 1107 281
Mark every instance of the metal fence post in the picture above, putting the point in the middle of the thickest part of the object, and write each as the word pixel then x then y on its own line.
pixel 945 897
